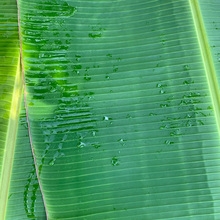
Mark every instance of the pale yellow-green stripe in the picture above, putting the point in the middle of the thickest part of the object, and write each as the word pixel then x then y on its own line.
pixel 207 58
pixel 10 142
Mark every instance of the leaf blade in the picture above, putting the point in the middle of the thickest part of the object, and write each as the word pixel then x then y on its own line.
pixel 86 89
pixel 11 89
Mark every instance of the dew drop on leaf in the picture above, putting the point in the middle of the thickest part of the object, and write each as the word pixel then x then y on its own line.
pixel 168 142
pixel 81 145
pixel 52 162
pixel 87 77
pixel 96 146
pixel 105 118
pixel 115 161
pixel 186 67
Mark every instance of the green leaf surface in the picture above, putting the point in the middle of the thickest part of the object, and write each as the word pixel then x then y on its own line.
pixel 19 185
pixel 9 57
pixel 123 117
pixel 10 94
pixel 24 199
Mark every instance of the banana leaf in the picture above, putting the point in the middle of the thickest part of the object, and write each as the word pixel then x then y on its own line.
pixel 109 109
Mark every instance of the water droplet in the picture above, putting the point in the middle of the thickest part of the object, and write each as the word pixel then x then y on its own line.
pixel 160 85
pixel 81 145
pixel 95 35
pixel 187 82
pixel 201 114
pixel 105 118
pixel 107 77
pixel 52 162
pixel 53 89
pixel 77 56
pixel 189 124
pixel 152 114
pixel 175 133
pixel 93 133
pixel 200 122
pixel 96 146
pixel 115 161
pixel 87 77
pixel 163 42
pixel 163 127
pixel 115 69
pixel 122 141
pixel 162 91
pixel 109 55
pixel 87 69
pixel 168 142
pixel 164 105
pixel 186 67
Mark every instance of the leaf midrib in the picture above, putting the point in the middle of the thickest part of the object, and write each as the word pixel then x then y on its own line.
pixel 207 58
